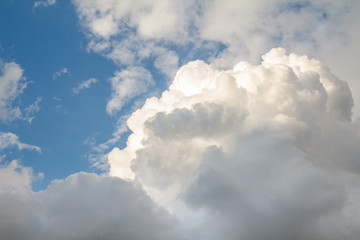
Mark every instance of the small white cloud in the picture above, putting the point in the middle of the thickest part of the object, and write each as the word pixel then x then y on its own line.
pixel 63 71
pixel 45 3
pixel 12 84
pixel 84 84
pixel 126 85
pixel 8 139
pixel 57 99
pixel 32 109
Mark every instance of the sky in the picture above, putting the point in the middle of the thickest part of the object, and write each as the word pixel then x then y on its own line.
pixel 196 119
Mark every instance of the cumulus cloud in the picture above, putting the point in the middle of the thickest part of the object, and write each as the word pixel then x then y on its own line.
pixel 263 151
pixel 83 85
pixel 83 206
pixel 11 140
pixel 63 71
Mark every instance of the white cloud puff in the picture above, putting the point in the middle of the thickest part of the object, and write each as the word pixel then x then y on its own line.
pixel 127 84
pixel 12 84
pixel 269 151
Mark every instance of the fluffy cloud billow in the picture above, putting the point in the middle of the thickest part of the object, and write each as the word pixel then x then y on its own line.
pixel 263 151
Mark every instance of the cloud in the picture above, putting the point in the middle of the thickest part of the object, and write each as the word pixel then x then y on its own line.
pixel 15 178
pixel 83 206
pixel 32 109
pixel 126 85
pixel 84 84
pixel 264 151
pixel 11 140
pixel 222 32
pixel 45 3
pixel 12 84
pixel 63 71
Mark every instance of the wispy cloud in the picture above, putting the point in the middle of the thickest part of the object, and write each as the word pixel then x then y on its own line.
pixel 8 139
pixel 30 111
pixel 126 85
pixel 83 85
pixel 63 71
pixel 45 3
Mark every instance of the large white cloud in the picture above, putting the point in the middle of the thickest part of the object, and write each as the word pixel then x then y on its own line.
pixel 255 152
pixel 267 151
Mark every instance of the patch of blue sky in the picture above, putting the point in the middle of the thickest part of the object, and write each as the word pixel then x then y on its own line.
pixel 294 6
pixel 42 42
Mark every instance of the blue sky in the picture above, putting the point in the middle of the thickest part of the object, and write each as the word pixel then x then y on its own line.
pixel 44 41
pixel 179 106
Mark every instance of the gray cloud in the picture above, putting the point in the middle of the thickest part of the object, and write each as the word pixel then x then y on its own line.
pixel 83 206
